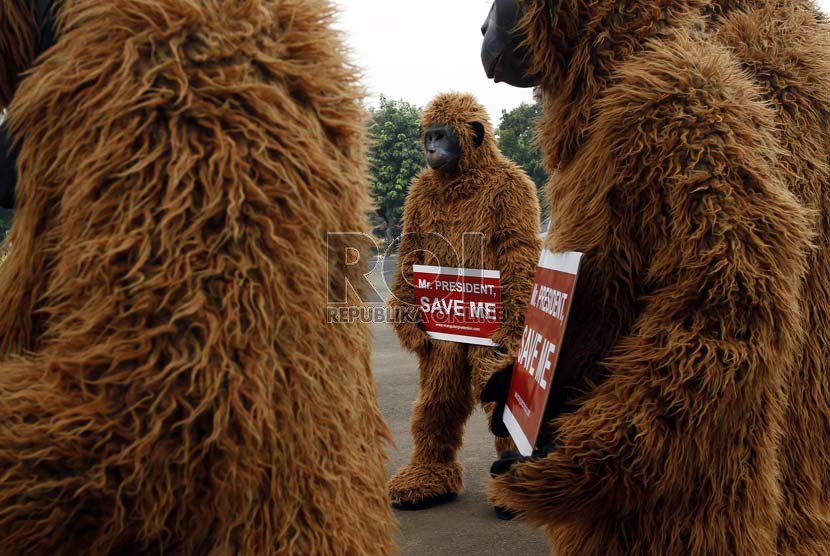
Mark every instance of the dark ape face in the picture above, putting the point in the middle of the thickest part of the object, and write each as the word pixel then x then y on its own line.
pixel 443 147
pixel 502 57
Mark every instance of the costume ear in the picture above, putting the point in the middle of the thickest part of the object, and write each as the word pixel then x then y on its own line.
pixel 478 132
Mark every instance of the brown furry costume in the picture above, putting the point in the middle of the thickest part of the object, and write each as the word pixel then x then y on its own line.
pixel 669 400
pixel 490 195
pixel 786 47
pixel 168 381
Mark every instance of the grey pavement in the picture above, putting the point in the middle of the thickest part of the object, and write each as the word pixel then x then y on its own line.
pixel 466 526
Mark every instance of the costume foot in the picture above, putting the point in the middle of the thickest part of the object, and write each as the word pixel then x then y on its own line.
pixel 506 459
pixel 418 486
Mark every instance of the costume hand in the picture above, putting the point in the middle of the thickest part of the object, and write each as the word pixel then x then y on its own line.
pixel 426 339
pixel 495 391
pixel 413 337
pixel 507 460
pixel 510 458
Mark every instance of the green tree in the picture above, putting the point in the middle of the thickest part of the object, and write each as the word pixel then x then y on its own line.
pixel 5 215
pixel 516 136
pixel 396 157
pixel 5 222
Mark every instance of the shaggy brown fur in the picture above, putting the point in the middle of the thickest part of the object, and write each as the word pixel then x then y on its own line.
pixel 669 400
pixel 168 381
pixel 488 195
pixel 786 47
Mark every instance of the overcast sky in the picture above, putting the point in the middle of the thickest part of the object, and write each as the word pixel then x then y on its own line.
pixel 415 49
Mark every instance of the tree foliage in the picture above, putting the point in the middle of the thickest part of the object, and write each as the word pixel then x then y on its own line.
pixel 516 136
pixel 396 157
pixel 5 214
pixel 5 222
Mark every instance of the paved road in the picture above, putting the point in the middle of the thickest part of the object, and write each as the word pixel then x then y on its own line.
pixel 468 525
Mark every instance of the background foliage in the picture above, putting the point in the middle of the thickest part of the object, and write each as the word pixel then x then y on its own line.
pixel 516 135
pixel 5 222
pixel 396 158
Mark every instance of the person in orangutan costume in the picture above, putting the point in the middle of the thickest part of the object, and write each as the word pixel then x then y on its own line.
pixel 470 189
pixel 169 382
pixel 785 45
pixel 689 412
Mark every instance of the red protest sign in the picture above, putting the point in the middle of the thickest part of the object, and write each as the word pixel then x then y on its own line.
pixel 545 321
pixel 459 304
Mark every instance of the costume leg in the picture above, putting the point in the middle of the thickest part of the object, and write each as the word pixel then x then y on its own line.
pixel 483 362
pixel 443 406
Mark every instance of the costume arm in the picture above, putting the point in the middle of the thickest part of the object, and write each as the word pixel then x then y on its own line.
pixel 517 246
pixel 693 391
pixel 402 301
